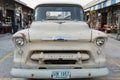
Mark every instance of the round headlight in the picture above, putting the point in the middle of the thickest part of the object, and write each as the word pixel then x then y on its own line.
pixel 19 41
pixel 100 41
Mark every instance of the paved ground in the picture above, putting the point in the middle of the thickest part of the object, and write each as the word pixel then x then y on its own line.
pixel 6 44
pixel 6 47
pixel 112 54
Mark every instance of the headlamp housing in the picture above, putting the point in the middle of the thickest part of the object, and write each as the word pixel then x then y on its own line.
pixel 100 41
pixel 19 41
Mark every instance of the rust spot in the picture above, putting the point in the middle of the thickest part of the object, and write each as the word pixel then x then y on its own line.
pixel 60 59
pixel 89 74
pixel 51 75
pixel 32 75
pixel 23 35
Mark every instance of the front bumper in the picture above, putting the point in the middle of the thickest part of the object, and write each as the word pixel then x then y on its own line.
pixel 46 73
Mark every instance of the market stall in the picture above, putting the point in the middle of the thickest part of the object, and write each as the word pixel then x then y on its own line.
pixel 6 25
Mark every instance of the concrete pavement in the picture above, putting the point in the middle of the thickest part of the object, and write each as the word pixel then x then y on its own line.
pixel 6 45
pixel 6 59
pixel 112 35
pixel 112 50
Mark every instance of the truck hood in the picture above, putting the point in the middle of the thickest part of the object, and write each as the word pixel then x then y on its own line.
pixel 70 30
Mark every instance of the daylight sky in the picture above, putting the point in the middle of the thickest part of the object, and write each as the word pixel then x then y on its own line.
pixel 33 3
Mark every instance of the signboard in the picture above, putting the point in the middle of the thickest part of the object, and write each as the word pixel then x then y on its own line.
pixel 104 4
pixel 113 2
pixel 108 3
pixel 99 6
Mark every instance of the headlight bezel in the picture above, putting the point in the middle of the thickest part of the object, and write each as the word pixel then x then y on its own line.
pixel 100 41
pixel 19 41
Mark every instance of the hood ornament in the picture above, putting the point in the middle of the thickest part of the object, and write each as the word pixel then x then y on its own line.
pixel 60 39
pixel 64 38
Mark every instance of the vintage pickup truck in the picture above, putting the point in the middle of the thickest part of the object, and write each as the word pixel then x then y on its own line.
pixel 59 45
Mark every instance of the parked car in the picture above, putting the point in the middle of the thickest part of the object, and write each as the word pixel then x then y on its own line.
pixel 59 45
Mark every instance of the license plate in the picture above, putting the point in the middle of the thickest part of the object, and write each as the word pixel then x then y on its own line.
pixel 61 75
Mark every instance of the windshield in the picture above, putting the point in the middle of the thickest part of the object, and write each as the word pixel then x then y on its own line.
pixel 56 12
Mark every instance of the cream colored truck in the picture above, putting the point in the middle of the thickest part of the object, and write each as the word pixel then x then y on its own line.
pixel 59 45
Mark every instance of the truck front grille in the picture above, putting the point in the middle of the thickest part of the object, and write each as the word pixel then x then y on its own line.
pixel 59 57
pixel 60 61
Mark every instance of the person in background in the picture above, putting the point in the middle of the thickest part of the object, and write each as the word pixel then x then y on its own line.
pixel 26 22
pixel 89 22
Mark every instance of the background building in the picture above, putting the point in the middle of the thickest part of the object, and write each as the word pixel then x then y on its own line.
pixel 104 14
pixel 6 16
pixel 23 14
pixel 11 15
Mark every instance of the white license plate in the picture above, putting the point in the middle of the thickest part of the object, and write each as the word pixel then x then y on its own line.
pixel 61 75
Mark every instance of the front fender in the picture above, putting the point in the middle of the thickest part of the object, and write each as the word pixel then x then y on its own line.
pixel 95 34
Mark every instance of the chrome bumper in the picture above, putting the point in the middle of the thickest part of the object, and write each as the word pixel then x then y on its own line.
pixel 46 74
